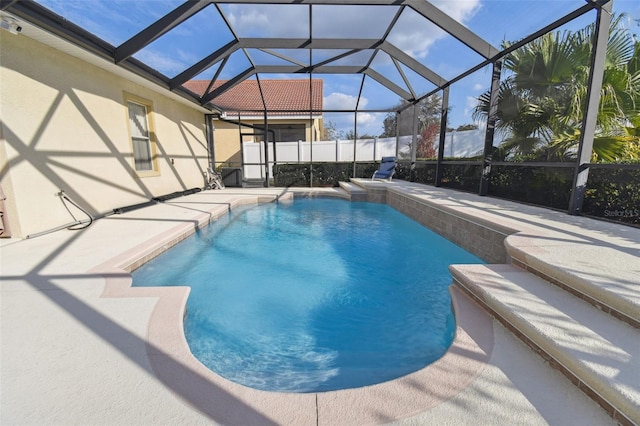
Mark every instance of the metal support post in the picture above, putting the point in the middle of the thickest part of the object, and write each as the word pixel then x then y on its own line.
pixel 414 144
pixel 210 140
pixel 266 150
pixel 491 124
pixel 590 118
pixel 355 140
pixel 443 134
pixel 397 133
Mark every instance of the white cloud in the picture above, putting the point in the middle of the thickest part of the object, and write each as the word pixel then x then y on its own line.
pixel 329 21
pixel 343 101
pixel 268 20
pixel 114 21
pixel 479 87
pixel 366 118
pixel 460 10
pixel 471 103
pixel 350 21
pixel 368 123
pixel 414 34
pixel 249 18
pixel 168 64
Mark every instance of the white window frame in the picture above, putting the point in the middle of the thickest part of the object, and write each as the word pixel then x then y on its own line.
pixel 141 137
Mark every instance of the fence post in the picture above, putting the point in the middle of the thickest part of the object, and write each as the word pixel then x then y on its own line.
pixel 299 150
pixel 375 145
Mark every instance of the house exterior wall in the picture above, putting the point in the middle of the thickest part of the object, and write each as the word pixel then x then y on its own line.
pixel 227 136
pixel 64 126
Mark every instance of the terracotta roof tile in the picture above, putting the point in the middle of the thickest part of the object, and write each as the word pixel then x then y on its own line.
pixel 280 95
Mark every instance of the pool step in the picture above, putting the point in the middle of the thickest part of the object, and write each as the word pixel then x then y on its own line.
pixel 356 193
pixel 618 297
pixel 597 352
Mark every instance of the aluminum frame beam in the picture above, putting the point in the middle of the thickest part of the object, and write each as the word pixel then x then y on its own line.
pixel 325 69
pixel 45 19
pixel 121 55
pixel 158 28
pixel 42 17
pixel 320 2
pixel 554 25
pixel 453 27
pixel 227 85
pixel 220 54
pixel 283 57
pixel 412 64
pixel 395 53
pixel 423 7
pixel 389 84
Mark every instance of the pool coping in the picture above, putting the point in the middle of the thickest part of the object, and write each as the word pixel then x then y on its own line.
pixel 218 398
pixel 499 237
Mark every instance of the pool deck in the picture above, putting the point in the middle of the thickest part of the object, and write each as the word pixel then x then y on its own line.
pixel 80 346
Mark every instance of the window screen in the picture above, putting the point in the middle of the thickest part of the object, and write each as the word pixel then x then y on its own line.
pixel 288 132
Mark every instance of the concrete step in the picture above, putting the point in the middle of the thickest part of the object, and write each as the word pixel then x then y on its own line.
pixel 608 277
pixel 253 183
pixel 356 193
pixel 597 352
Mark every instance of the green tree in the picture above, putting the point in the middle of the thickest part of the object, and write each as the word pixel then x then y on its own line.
pixel 464 127
pixel 542 99
pixel 352 135
pixel 389 126
pixel 329 131
pixel 428 114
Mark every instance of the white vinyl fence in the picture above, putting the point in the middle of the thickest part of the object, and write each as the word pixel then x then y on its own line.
pixel 457 144
pixel 323 151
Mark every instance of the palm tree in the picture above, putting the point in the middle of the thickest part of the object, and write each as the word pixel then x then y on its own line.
pixel 541 101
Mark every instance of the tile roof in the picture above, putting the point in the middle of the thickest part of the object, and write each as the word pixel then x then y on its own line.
pixel 279 95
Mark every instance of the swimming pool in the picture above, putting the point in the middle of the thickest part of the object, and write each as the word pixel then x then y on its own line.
pixel 313 295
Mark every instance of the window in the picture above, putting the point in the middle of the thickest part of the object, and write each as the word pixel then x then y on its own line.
pixel 288 132
pixel 140 137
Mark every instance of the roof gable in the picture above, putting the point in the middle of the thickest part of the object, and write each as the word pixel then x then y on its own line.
pixel 293 96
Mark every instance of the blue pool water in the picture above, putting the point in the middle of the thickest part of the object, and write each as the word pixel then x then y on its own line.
pixel 314 294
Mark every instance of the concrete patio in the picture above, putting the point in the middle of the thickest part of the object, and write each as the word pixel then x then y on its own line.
pixel 80 346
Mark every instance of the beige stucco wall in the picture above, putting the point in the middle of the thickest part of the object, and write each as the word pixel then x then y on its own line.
pixel 64 126
pixel 227 135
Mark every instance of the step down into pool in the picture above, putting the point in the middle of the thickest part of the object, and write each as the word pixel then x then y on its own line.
pixel 355 192
pixel 598 352
pixel 253 183
pixel 575 303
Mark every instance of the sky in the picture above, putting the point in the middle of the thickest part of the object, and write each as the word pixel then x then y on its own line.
pixel 493 20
